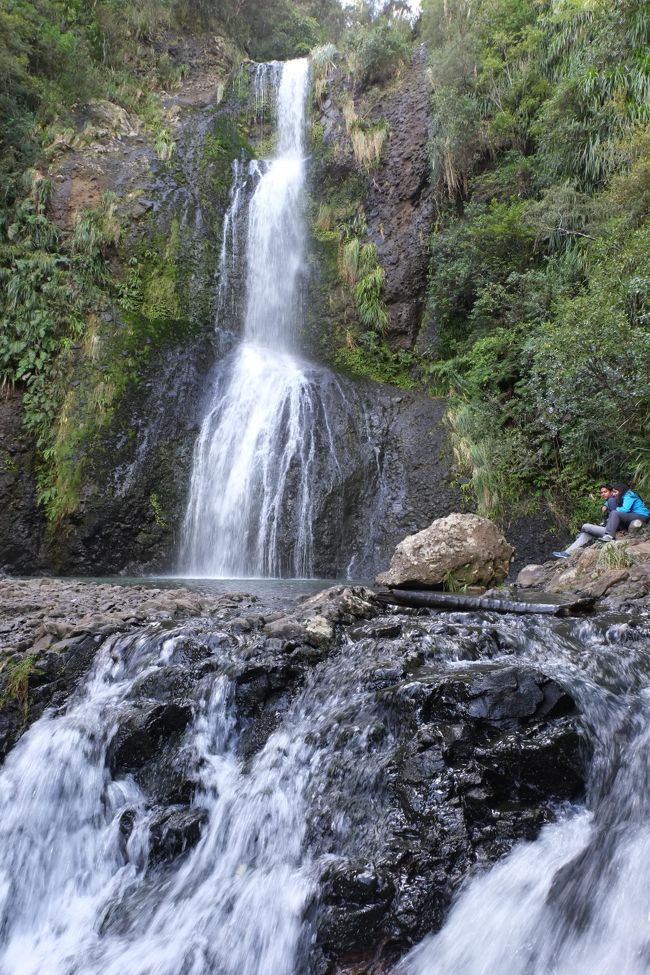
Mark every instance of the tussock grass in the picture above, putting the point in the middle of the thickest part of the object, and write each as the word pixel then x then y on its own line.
pixel 368 296
pixel 368 142
pixel 616 555
pixel 323 62
pixel 368 138
pixel 476 459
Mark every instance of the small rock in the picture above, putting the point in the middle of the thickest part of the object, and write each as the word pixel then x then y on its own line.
pixel 175 831
pixel 611 578
pixel 531 576
pixel 141 733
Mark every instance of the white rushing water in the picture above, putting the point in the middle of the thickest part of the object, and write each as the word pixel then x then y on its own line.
pixel 80 895
pixel 74 900
pixel 265 452
pixel 576 901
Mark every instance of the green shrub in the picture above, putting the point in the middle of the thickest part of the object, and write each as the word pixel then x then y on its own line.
pixel 368 297
pixel 16 682
pixel 368 357
pixel 377 50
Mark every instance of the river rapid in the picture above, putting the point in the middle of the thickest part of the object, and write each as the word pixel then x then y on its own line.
pixel 210 799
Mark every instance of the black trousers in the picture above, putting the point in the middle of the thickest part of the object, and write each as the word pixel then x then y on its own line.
pixel 617 518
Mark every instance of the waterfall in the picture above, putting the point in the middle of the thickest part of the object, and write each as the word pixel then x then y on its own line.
pixel 77 898
pixel 267 453
pixel 73 898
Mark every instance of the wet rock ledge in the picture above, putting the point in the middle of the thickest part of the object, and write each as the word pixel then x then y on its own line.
pixel 50 630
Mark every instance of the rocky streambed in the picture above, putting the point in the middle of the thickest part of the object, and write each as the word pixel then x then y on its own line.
pixel 51 629
pixel 411 748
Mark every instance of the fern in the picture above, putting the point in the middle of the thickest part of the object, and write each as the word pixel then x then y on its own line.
pixel 368 296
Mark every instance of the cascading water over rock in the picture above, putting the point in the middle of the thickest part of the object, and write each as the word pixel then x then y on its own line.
pixel 268 453
pixel 206 805
pixel 73 875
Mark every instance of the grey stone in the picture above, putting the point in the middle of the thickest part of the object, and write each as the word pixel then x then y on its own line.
pixel 464 547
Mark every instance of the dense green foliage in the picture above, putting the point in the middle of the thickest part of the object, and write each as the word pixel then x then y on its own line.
pixel 56 54
pixel 50 286
pixel 377 48
pixel 540 272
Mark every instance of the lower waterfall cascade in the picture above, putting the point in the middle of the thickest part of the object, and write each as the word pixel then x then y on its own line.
pixel 577 900
pixel 90 882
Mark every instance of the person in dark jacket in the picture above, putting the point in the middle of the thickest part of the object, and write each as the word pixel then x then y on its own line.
pixel 629 508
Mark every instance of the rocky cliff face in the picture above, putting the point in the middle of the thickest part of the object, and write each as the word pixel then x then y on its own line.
pixel 399 205
pixel 130 415
pixel 388 201
pixel 22 525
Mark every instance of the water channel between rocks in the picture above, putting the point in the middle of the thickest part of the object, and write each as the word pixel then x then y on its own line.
pixel 214 801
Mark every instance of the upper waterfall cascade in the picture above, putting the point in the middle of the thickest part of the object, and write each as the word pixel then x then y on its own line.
pixel 267 453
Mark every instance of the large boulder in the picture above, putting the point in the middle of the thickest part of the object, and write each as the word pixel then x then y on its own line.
pixel 458 549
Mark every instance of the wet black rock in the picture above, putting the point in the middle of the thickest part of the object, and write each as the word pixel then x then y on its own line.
pixel 29 683
pixel 477 762
pixel 174 831
pixel 360 895
pixel 143 731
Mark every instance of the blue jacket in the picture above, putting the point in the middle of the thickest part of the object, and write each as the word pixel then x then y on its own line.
pixel 633 503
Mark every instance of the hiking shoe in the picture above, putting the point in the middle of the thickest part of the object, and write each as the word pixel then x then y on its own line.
pixel 636 525
pixel 561 555
pixel 606 538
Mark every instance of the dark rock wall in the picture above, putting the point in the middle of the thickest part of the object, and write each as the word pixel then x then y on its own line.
pixel 155 351
pixel 130 514
pixel 399 205
pixel 21 522
pixel 394 200
pixel 415 486
pixel 137 465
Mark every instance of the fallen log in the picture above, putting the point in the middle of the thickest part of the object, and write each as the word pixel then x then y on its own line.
pixel 460 601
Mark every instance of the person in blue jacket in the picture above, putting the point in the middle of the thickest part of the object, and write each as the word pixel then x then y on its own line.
pixel 589 533
pixel 629 508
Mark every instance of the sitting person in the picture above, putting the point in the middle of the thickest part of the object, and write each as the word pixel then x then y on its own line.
pixel 629 508
pixel 589 532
